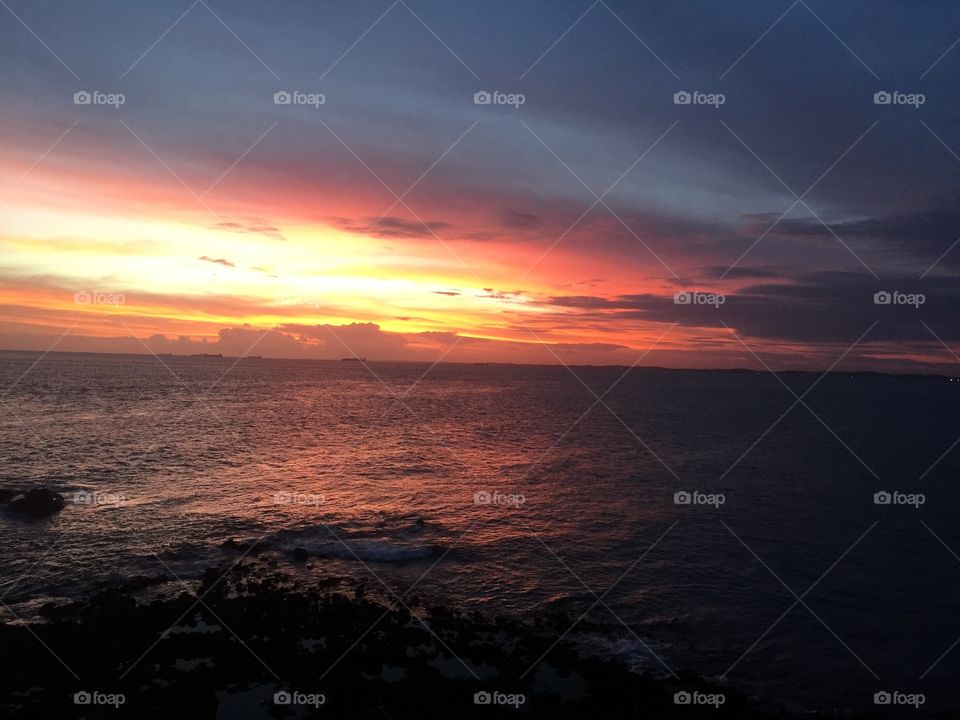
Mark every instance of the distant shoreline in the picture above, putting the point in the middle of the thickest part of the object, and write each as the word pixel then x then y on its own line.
pixel 365 361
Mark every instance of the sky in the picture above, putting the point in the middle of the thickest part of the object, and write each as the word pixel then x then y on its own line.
pixel 587 214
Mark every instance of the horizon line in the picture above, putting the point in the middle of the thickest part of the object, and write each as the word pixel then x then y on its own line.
pixel 365 361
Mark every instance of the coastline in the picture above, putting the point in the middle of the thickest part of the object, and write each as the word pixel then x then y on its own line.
pixel 244 642
pixel 935 371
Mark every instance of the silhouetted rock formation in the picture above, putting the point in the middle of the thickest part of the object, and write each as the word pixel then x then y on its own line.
pixel 38 502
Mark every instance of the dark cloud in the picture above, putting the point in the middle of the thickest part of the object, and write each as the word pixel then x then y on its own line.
pixel 519 220
pixel 217 261
pixel 450 293
pixel 507 226
pixel 923 235
pixel 591 302
pixel 718 272
pixel 505 295
pixel 839 306
pixel 252 227
pixel 390 227
pixel 826 307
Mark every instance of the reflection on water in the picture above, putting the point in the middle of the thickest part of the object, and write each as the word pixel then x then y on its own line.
pixel 514 491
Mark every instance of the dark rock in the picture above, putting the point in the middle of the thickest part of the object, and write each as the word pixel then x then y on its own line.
pixel 111 630
pixel 38 502
pixel 140 582
pixel 6 495
pixel 300 554
pixel 252 547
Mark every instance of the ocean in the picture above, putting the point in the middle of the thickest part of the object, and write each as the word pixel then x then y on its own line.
pixel 805 552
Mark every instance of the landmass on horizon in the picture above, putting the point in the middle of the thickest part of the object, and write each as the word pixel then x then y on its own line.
pixel 931 373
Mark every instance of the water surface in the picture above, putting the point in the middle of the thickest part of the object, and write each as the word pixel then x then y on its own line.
pixel 375 471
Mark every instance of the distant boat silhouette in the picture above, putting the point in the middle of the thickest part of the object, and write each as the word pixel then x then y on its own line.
pixel 219 355
pixel 353 359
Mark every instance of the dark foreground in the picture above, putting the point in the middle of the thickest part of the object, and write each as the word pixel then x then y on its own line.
pixel 255 646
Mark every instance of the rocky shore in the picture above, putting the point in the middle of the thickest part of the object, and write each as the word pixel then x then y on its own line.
pixel 258 645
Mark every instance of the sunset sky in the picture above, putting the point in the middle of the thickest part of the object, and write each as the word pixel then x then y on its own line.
pixel 400 220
